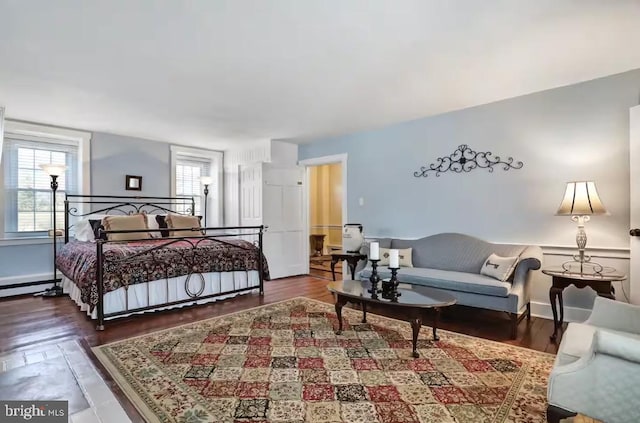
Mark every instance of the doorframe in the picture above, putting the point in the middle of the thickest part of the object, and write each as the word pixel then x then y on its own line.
pixel 634 212
pixel 306 210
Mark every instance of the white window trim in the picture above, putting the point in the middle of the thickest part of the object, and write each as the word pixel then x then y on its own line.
pixel 1 131
pixel 37 132
pixel 216 165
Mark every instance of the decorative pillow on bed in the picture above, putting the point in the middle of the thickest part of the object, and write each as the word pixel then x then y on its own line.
pixel 161 219
pixel 499 268
pixel 180 221
pixel 84 230
pixel 96 225
pixel 152 223
pixel 404 256
pixel 119 223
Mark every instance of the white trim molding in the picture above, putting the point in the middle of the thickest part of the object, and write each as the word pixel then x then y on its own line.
pixel 8 242
pixel 599 252
pixel 1 131
pixel 571 314
pixel 10 280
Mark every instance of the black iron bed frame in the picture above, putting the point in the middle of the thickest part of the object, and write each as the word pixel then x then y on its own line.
pixel 125 205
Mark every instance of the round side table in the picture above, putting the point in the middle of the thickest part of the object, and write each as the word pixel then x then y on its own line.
pixel 601 282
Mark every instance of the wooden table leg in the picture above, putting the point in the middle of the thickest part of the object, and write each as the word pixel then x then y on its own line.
pixel 416 324
pixel 553 293
pixel 436 318
pixel 352 267
pixel 334 260
pixel 561 304
pixel 364 312
pixel 339 304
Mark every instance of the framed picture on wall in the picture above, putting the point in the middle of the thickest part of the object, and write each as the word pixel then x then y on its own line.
pixel 133 183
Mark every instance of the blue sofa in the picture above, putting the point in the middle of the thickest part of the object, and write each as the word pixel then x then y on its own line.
pixel 452 262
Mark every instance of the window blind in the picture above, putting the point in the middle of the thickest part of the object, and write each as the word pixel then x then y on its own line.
pixel 28 196
pixel 189 170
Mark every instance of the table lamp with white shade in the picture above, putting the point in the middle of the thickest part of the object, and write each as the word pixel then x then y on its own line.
pixel 581 200
pixel 53 170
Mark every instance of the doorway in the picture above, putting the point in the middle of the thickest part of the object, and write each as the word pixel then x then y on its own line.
pixel 325 201
pixel 325 217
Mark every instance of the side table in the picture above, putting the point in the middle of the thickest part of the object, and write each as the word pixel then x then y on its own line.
pixel 352 260
pixel 601 282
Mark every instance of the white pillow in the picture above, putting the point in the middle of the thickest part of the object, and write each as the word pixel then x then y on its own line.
pixel 152 223
pixel 404 256
pixel 499 268
pixel 83 230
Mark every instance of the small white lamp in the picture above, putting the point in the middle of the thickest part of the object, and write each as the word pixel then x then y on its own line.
pixel 581 200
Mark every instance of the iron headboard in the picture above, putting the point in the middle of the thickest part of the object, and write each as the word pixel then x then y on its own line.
pixel 124 205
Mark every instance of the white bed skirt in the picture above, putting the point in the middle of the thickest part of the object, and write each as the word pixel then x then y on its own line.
pixel 157 293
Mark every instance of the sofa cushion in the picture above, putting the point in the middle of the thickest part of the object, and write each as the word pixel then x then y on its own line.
pixel 497 267
pixel 447 279
pixel 577 339
pixel 451 251
pixel 404 257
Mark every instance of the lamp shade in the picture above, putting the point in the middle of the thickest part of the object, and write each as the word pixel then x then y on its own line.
pixel 581 199
pixel 206 180
pixel 53 169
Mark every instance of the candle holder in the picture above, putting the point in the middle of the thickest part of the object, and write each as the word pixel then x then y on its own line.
pixel 374 279
pixel 390 287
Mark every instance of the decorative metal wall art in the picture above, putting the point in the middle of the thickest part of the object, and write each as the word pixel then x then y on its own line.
pixel 464 159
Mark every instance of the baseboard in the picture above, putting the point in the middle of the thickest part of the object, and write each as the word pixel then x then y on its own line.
pixel 24 284
pixel 571 314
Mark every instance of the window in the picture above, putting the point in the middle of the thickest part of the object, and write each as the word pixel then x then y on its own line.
pixel 189 170
pixel 188 167
pixel 28 196
pixel 27 207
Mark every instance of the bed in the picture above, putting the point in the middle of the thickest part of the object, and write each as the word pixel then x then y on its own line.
pixel 156 267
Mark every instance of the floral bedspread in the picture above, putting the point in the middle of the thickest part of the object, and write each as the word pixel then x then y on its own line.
pixel 143 261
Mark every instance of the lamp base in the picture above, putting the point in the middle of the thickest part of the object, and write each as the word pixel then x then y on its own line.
pixel 54 291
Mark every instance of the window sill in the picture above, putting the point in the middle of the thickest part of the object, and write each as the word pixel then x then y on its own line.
pixel 6 242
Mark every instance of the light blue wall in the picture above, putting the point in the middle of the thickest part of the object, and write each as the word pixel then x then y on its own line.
pixel 16 260
pixel 112 157
pixel 571 133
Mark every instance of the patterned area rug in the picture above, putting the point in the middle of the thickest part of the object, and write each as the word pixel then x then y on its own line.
pixel 284 363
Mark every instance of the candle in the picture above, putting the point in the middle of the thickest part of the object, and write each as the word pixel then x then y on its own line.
pixel 394 259
pixel 374 251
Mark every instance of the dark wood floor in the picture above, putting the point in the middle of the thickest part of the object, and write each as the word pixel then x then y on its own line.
pixel 28 324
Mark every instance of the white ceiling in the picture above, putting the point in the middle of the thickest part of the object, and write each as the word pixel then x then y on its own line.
pixel 206 72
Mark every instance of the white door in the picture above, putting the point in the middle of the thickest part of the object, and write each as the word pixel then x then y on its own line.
pixel 251 195
pixel 634 192
pixel 282 191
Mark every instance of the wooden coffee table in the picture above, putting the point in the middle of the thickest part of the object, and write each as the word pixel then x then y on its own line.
pixel 414 300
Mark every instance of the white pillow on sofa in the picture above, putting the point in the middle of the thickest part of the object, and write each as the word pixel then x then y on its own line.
pixel 499 268
pixel 404 257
